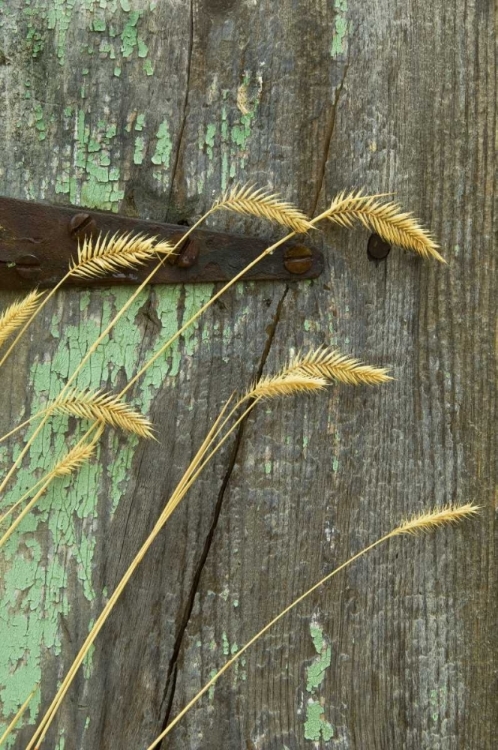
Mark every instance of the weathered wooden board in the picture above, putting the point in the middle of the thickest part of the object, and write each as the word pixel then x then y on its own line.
pixel 153 108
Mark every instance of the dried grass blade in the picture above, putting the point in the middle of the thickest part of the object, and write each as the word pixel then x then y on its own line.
pixel 261 203
pixel 109 254
pixel 388 220
pixel 17 314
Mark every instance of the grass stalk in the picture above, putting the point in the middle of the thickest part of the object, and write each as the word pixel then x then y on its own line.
pixel 17 717
pixel 427 521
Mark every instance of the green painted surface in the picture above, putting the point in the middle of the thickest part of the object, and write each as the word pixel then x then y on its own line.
pixel 49 25
pixel 32 582
pixel 164 146
pixel 339 40
pixel 316 726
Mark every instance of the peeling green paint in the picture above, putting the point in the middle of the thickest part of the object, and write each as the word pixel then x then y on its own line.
pixel 164 146
pixel 36 582
pixel 316 727
pixel 211 689
pixel 129 35
pixel 138 155
pixel 91 180
pixel 140 122
pixel 339 39
pixel 50 23
pixel 316 671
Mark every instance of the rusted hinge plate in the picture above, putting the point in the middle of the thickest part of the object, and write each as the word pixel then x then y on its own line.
pixel 37 242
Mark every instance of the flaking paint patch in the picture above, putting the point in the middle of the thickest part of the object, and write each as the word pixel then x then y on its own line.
pixel 316 727
pixel 162 152
pixel 90 178
pixel 116 26
pixel 339 39
pixel 230 135
pixel 33 598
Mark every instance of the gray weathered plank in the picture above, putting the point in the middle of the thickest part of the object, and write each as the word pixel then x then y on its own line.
pixel 399 96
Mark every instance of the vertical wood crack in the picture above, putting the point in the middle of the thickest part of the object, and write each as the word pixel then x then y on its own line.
pixel 170 687
pixel 185 109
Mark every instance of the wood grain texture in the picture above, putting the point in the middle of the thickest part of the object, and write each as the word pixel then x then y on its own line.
pixel 152 109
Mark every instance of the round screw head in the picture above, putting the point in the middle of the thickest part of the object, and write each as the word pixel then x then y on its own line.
pixel 377 248
pixel 298 259
pixel 81 225
pixel 28 267
pixel 189 255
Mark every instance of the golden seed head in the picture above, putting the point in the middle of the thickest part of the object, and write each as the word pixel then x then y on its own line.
pixel 111 254
pixel 332 365
pixel 17 314
pixel 250 201
pixel 106 408
pixel 431 520
pixel 386 219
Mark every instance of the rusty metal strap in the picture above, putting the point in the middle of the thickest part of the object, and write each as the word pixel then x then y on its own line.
pixel 37 242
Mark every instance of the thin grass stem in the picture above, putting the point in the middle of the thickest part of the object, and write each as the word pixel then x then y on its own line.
pixel 427 521
pixel 17 717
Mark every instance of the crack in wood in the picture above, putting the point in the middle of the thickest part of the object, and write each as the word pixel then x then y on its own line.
pixel 328 140
pixel 171 679
pixel 185 109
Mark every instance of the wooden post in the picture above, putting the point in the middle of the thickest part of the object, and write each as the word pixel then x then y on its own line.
pixel 152 109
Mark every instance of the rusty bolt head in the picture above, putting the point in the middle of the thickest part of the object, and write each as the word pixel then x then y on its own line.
pixel 81 225
pixel 377 248
pixel 28 267
pixel 174 239
pixel 189 255
pixel 298 259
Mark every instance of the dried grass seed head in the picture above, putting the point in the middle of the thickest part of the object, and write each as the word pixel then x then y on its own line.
pixel 332 365
pixel 286 385
pixel 112 253
pixel 17 314
pixel 430 520
pixel 76 457
pixel 106 408
pixel 386 219
pixel 261 203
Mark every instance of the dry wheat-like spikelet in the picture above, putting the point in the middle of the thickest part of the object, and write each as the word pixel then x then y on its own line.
pixel 386 219
pixel 285 384
pixel 73 461
pixel 332 365
pixel 430 520
pixel 104 407
pixel 108 254
pixel 17 314
pixel 263 204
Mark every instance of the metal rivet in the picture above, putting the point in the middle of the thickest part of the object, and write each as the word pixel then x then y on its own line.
pixel 189 255
pixel 298 259
pixel 377 248
pixel 81 224
pixel 174 239
pixel 28 267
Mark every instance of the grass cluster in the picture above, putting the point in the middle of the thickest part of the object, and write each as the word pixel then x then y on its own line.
pixel 310 372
